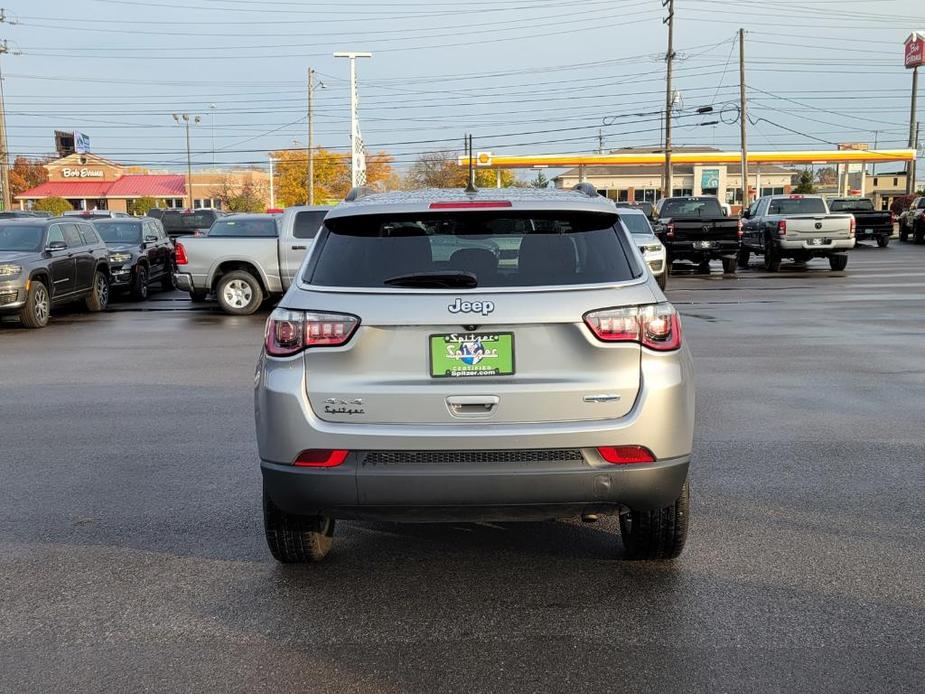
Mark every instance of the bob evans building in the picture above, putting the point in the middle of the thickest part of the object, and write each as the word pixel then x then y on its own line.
pixel 91 182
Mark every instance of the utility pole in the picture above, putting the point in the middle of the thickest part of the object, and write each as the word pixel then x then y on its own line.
pixel 272 184
pixel 669 97
pixel 358 156
pixel 4 148
pixel 910 167
pixel 311 138
pixel 600 141
pixel 184 118
pixel 743 120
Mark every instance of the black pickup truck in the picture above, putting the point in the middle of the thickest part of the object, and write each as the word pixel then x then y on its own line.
pixel 697 229
pixel 869 223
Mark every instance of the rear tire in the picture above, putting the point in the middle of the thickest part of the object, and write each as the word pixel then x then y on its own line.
pixel 903 233
pixel 657 534
pixel 37 309
pixel 839 261
pixel 98 298
pixel 239 293
pixel 729 266
pixel 296 539
pixel 918 234
pixel 140 284
pixel 744 255
pixel 883 241
pixel 771 259
pixel 167 282
pixel 198 296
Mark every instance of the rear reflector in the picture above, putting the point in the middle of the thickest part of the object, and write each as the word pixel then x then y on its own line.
pixel 469 204
pixel 319 457
pixel 626 455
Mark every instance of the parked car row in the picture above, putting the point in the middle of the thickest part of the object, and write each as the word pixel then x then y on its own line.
pixel 912 221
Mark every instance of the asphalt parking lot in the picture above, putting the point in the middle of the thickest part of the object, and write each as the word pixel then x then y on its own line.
pixel 132 556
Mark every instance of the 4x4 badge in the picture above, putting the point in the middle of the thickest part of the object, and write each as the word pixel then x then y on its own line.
pixel 460 306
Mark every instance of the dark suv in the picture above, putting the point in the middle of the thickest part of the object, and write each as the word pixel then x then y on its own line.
pixel 44 262
pixel 139 254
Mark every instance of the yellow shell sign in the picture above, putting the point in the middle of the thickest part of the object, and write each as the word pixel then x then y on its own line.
pixel 483 159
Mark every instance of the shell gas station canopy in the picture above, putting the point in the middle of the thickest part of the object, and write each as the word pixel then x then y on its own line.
pixel 853 156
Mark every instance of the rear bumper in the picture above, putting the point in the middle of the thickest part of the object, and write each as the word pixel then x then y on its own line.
pixel 686 250
pixel 183 281
pixel 834 246
pixel 453 491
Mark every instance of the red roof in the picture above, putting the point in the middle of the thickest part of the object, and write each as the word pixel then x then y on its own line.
pixel 68 189
pixel 130 186
pixel 140 185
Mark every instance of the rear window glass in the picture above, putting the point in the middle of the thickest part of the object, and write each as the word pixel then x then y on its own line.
pixel 244 227
pixel 532 249
pixel 851 206
pixel 796 206
pixel 188 221
pixel 691 207
pixel 637 224
pixel 120 232
pixel 307 224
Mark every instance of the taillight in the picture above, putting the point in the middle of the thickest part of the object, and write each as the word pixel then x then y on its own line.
pixel 181 255
pixel 320 457
pixel 892 218
pixel 669 231
pixel 852 225
pixel 782 228
pixel 740 231
pixel 656 326
pixel 626 455
pixel 289 332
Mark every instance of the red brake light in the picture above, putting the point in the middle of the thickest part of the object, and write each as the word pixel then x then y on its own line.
pixel 782 228
pixel 289 332
pixel 463 204
pixel 626 455
pixel 669 231
pixel 852 226
pixel 317 457
pixel 740 231
pixel 656 326
pixel 892 218
pixel 796 197
pixel 181 254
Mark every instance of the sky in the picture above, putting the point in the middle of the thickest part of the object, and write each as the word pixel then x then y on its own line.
pixel 523 76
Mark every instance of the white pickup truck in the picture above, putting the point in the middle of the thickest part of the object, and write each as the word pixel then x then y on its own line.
pixel 247 258
pixel 799 227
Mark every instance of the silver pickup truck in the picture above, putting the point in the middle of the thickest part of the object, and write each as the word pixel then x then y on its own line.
pixel 247 258
pixel 799 227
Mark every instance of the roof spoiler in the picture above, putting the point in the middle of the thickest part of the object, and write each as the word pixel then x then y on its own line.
pixel 586 189
pixel 357 193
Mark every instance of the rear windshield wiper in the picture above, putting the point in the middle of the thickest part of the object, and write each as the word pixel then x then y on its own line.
pixel 443 280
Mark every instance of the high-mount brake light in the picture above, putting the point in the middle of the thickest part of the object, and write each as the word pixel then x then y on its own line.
pixel 290 332
pixel 626 455
pixel 796 197
pixel 469 204
pixel 319 457
pixel 181 255
pixel 782 227
pixel 656 326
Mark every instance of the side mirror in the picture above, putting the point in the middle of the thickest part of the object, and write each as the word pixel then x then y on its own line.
pixel 56 246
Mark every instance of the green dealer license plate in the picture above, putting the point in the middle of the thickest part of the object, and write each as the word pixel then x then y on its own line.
pixel 461 355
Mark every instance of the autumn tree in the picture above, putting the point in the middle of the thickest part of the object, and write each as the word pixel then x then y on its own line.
pixel 56 206
pixel 331 175
pixel 27 173
pixel 245 197
pixel 442 170
pixel 141 205
pixel 827 176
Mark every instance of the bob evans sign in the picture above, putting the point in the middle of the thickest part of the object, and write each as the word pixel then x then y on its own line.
pixel 915 50
pixel 82 173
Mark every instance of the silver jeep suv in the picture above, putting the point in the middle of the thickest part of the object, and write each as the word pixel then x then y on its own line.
pixel 498 355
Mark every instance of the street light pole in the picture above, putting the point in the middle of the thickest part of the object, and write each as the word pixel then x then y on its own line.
pixel 669 98
pixel 185 118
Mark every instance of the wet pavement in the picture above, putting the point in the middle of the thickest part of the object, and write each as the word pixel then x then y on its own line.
pixel 132 555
